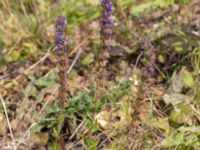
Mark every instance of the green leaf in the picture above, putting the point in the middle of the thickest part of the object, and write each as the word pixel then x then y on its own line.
pixel 46 80
pixel 81 104
pixel 191 139
pixel 188 79
pixel 148 6
pixel 88 59
pixel 30 48
pixel 182 1
pixel 168 142
pixel 173 141
pixel 36 128
pixel 31 90
pixel 179 138
pixel 13 56
pixel 52 108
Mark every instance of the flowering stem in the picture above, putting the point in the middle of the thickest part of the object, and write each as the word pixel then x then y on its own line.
pixel 61 53
pixel 106 25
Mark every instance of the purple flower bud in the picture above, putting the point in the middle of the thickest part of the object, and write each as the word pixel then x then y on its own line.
pixel 107 21
pixel 107 31
pixel 61 21
pixel 151 70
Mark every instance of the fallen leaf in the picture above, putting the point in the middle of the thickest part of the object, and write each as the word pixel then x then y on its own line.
pixel 161 123
pixel 40 139
pixel 175 98
pixel 145 113
pixel 182 113
pixel 176 85
pixel 115 120
pixel 3 125
pixel 14 124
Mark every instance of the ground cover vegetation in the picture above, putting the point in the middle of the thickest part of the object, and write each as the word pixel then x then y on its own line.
pixel 100 74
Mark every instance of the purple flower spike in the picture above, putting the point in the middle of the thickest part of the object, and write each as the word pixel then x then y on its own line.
pixel 106 22
pixel 61 40
pixel 152 56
